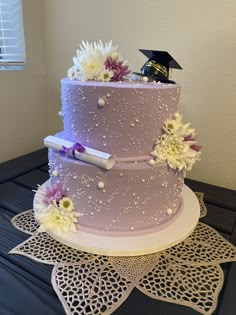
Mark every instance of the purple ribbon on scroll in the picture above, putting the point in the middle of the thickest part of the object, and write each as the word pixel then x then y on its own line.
pixel 76 147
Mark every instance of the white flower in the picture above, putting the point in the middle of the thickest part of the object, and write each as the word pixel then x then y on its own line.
pixel 105 75
pixel 66 204
pixel 58 220
pixel 176 152
pixel 91 67
pixel 176 127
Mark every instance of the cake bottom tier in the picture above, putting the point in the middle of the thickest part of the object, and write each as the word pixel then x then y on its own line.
pixel 133 198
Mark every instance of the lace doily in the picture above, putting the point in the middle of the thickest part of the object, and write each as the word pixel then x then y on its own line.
pixel 86 284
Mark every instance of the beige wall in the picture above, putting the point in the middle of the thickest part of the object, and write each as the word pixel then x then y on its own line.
pixel 23 103
pixel 200 34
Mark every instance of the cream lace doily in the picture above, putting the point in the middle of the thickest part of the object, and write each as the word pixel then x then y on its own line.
pixel 188 273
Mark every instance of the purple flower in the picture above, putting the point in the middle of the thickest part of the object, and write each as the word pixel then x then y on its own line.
pixel 188 138
pixel 117 67
pixel 196 147
pixel 54 192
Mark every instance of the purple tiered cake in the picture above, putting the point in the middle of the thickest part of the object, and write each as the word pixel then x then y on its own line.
pixel 138 125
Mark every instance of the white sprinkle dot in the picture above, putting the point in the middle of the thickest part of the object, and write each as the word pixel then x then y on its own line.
pixel 101 102
pixel 101 185
pixel 169 211
pixel 151 162
pixel 55 173
pixel 145 79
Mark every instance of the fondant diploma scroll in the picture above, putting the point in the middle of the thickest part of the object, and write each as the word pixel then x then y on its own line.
pixel 79 152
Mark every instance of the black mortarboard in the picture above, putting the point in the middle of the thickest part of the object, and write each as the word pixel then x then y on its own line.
pixel 158 65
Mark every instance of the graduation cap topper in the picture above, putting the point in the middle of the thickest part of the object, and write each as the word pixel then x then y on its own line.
pixel 158 65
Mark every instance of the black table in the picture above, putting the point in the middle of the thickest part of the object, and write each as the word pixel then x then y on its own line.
pixel 25 286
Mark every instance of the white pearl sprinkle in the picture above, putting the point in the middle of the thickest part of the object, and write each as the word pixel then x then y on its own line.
pixel 61 114
pixel 145 79
pixel 143 180
pixel 100 201
pixel 89 197
pixel 55 173
pixel 101 185
pixel 121 174
pixel 132 125
pixel 169 211
pixel 101 102
pixel 151 162
pixel 88 185
pixel 104 137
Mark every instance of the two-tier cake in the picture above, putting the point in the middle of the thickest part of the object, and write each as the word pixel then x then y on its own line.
pixel 118 166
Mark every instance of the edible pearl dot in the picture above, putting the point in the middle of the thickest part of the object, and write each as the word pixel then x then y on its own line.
pixel 132 125
pixel 151 162
pixel 136 120
pixel 131 228
pixel 169 211
pixel 145 79
pixel 104 137
pixel 100 201
pixel 74 177
pixel 61 114
pixel 101 102
pixel 104 144
pixel 108 95
pixel 101 185
pixel 88 185
pixel 89 197
pixel 121 174
pixel 55 173
pixel 143 180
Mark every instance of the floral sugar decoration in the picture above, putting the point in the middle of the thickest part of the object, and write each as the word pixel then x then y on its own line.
pixel 58 214
pixel 178 145
pixel 98 61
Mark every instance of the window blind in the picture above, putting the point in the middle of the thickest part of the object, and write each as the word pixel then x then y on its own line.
pixel 12 43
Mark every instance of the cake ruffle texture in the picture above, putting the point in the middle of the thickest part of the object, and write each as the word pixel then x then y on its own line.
pixel 122 118
pixel 131 198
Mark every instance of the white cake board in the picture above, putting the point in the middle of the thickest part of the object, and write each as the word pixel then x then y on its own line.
pixel 167 237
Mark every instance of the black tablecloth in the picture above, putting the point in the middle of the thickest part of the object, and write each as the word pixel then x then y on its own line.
pixel 25 285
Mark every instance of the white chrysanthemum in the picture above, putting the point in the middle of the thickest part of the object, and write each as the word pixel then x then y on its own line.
pixel 73 73
pixel 66 204
pixel 175 152
pixel 176 127
pixel 91 67
pixel 105 75
pixel 57 220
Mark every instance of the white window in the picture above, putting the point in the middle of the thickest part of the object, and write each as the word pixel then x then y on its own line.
pixel 12 42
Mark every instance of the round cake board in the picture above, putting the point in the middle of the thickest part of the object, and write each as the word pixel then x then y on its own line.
pixel 138 245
